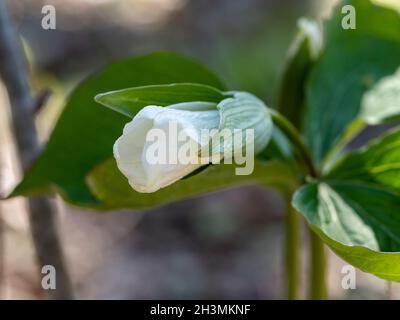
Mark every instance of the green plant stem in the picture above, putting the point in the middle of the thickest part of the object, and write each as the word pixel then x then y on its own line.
pixel 295 138
pixel 318 290
pixel 292 252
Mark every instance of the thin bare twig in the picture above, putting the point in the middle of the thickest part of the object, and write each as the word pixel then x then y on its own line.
pixel 42 214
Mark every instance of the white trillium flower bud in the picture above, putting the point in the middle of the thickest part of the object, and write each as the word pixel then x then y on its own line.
pixel 161 145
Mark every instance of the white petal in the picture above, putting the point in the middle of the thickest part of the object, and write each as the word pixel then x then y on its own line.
pixel 190 121
pixel 128 148
pixel 245 111
pixel 161 175
pixel 194 106
pixel 162 179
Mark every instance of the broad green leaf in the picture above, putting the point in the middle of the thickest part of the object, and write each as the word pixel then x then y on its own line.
pixel 85 132
pixel 351 63
pixel 382 102
pixel 361 222
pixel 337 151
pixel 385 265
pixel 130 101
pixel 379 163
pixel 302 54
pixel 111 187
